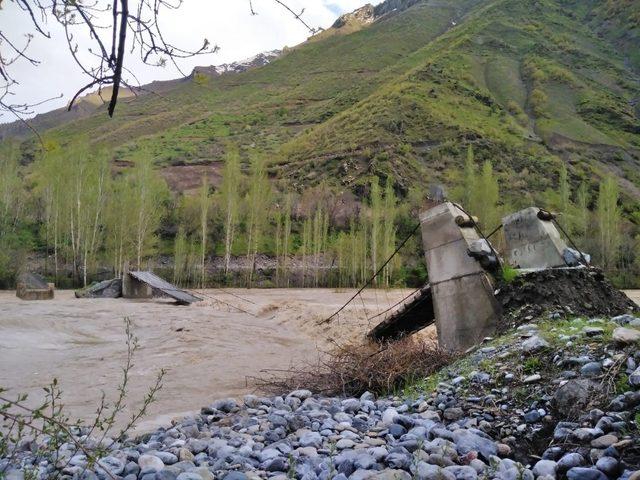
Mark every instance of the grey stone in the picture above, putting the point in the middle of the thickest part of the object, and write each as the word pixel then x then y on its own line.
pixel 626 336
pixel 167 458
pixel 634 378
pixel 235 476
pixel 586 434
pixel 545 467
pixel 593 331
pixel 425 471
pixel 390 474
pixel 150 463
pixel 623 319
pixel 277 465
pixel 462 472
pixel 225 405
pixel 532 417
pixel 569 461
pixel 467 441
pixel 311 439
pixel 345 443
pixel 112 464
pixel 573 397
pixel 583 473
pixel 399 460
pixel 302 394
pixel 351 405
pixel 364 461
pixel 591 369
pixel 166 474
pixel 604 441
pixel 453 413
pixel 609 466
pixel 534 344
pixel 193 476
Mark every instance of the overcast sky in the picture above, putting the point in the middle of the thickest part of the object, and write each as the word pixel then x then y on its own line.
pixel 226 23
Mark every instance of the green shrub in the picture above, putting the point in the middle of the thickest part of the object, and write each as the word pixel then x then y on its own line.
pixel 509 274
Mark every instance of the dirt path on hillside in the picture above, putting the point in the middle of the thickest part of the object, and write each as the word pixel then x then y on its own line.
pixel 207 348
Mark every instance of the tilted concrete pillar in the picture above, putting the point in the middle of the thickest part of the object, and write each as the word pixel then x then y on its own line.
pixel 134 288
pixel 532 242
pixel 465 307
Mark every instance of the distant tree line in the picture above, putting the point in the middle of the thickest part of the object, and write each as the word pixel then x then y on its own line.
pixel 76 217
pixel 593 219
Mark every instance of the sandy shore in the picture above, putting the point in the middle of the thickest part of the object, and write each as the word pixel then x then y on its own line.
pixel 208 349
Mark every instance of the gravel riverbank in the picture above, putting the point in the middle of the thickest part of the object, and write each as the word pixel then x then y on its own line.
pixel 557 398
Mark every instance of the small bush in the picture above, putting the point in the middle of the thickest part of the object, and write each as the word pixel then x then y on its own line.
pixel 509 274
pixel 351 370
pixel 538 100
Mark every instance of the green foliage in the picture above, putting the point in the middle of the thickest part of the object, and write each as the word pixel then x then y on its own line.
pixel 531 365
pixel 525 86
pixel 258 197
pixel 509 274
pixel 608 216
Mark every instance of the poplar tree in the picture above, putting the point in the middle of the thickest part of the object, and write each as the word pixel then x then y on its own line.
pixel 389 231
pixel 11 189
pixel 319 239
pixel 582 210
pixel 305 246
pixel 283 234
pixel 119 220
pixel 609 218
pixel 376 219
pixel 204 202
pixel 230 201
pixel 258 199
pixel 564 190
pixel 486 197
pixel 74 187
pixel 469 186
pixel 149 194
pixel 286 239
pixel 180 254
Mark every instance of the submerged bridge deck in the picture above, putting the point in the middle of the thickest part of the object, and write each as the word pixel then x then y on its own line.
pixel 415 313
pixel 157 283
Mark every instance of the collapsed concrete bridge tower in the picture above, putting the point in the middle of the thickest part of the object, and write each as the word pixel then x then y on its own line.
pixel 465 308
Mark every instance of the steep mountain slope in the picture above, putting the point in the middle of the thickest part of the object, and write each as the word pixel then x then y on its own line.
pixel 401 92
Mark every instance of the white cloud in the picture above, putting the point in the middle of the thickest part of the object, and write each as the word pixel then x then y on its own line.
pixel 228 24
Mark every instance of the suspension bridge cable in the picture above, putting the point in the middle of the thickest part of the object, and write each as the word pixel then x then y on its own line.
pixel 328 319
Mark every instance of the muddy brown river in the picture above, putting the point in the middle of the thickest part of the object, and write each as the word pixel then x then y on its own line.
pixel 208 349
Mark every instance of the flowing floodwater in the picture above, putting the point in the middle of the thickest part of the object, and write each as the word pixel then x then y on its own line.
pixel 208 349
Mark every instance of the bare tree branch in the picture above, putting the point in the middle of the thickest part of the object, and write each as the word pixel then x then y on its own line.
pixel 107 23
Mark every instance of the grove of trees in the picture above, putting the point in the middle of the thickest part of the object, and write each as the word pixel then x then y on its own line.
pixel 74 216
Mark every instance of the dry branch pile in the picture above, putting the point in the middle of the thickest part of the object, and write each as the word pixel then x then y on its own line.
pixel 350 370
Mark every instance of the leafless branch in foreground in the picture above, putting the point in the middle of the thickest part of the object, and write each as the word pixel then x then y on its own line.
pixel 116 28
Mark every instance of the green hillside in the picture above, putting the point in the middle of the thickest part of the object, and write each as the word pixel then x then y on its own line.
pixel 528 83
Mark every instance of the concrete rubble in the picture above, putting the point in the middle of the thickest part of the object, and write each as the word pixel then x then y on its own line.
pixel 30 286
pixel 471 300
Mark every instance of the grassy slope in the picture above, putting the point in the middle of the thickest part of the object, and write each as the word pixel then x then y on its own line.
pixel 403 96
pixel 472 84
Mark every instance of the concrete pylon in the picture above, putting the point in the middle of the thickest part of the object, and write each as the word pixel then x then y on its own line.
pixel 134 288
pixel 465 307
pixel 531 241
